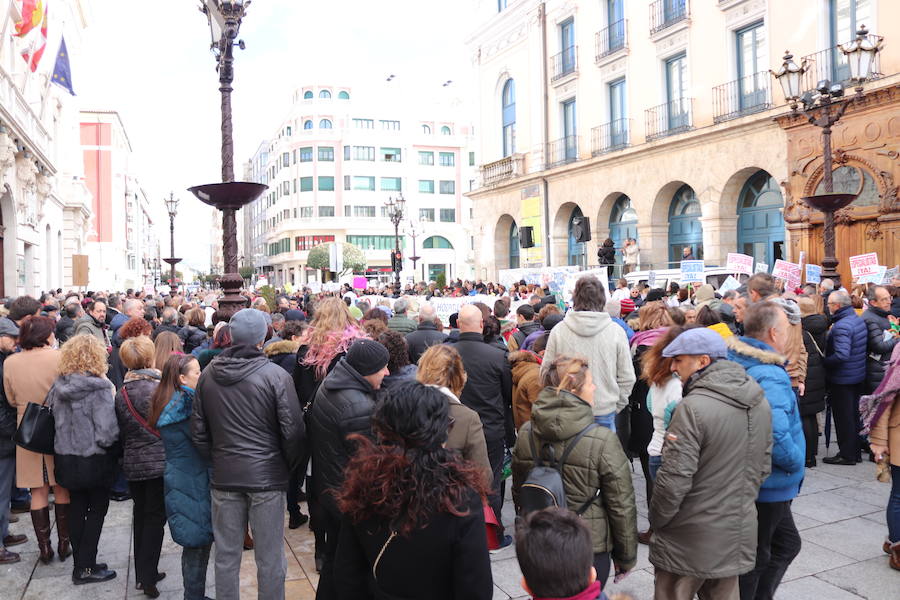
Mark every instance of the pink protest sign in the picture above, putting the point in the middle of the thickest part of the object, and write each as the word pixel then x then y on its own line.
pixel 360 283
pixel 864 264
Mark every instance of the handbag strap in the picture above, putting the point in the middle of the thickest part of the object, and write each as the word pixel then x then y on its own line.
pixel 137 416
pixel 813 340
pixel 380 553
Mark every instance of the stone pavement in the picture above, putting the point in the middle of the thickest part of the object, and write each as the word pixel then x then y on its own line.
pixel 840 514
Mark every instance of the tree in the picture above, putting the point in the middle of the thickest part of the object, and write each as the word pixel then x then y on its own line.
pixel 441 280
pixel 354 259
pixel 246 272
pixel 267 292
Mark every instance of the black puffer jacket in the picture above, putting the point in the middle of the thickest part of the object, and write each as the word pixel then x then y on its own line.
pixel 488 389
pixel 7 419
pixel 815 330
pixel 878 348
pixel 116 372
pixel 191 337
pixel 343 405
pixel 419 340
pixel 247 421
pixel 145 456
pixel 606 255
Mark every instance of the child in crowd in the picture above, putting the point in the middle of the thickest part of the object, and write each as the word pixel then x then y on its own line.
pixel 554 550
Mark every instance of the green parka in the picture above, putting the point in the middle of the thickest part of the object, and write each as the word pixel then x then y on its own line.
pixel 716 453
pixel 597 462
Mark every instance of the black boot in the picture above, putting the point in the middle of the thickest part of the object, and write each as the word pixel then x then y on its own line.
pixel 64 548
pixel 41 521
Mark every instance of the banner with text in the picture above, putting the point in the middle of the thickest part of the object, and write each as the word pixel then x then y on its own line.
pixel 739 263
pixel 788 271
pixel 813 273
pixel 692 271
pixel 864 264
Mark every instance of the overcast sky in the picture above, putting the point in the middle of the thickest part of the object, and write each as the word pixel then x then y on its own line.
pixel 151 62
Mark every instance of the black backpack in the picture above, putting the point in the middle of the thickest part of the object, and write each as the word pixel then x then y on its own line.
pixel 544 485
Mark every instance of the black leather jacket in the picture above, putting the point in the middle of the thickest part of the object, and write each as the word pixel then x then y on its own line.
pixel 488 389
pixel 879 348
pixel 247 421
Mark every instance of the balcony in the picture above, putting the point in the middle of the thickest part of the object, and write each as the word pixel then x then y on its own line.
pixel 669 118
pixel 610 136
pixel 831 64
pixel 562 151
pixel 564 63
pixel 665 13
pixel 500 170
pixel 612 39
pixel 744 96
pixel 18 113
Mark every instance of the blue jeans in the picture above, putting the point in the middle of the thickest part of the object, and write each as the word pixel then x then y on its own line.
pixel 608 421
pixel 893 507
pixel 655 464
pixel 193 572
pixel 7 474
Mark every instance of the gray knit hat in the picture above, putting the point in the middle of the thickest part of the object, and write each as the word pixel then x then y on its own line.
pixel 248 327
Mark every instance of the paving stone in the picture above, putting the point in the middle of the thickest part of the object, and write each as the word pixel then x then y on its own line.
pixel 857 538
pixel 829 507
pixel 872 579
pixel 813 559
pixel 61 587
pixel 812 588
pixel 638 584
pixel 820 481
pixel 872 492
pixel 508 576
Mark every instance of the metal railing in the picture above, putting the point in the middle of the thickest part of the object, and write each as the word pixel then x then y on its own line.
pixel 744 96
pixel 562 151
pixel 564 63
pixel 614 135
pixel 500 170
pixel 669 118
pixel 665 13
pixel 612 39
pixel 831 64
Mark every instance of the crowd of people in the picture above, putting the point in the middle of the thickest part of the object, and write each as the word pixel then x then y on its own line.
pixel 401 432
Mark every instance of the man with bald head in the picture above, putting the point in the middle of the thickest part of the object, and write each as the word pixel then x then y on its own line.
pixel 488 392
pixel 425 335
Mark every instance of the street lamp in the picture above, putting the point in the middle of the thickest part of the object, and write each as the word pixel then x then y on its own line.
pixel 395 214
pixel 823 109
pixel 172 208
pixel 413 233
pixel 224 17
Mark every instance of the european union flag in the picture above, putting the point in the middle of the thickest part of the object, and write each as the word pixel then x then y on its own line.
pixel 62 72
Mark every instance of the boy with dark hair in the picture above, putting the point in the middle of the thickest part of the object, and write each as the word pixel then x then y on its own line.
pixel 556 556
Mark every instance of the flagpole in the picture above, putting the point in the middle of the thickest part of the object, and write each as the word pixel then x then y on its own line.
pixel 5 27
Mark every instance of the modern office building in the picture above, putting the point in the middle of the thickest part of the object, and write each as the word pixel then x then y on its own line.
pixel 660 121
pixel 332 164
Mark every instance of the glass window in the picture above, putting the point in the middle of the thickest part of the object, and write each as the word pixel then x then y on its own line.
pixel 306 212
pixel 306 184
pixel 445 130
pixel 347 210
pixel 448 215
pixel 390 184
pixel 306 154
pixel 326 153
pixel 678 113
pixel 471 159
pixel 307 95
pixel 372 242
pixel 426 129
pixel 343 96
pixel 567 45
pixel 437 242
pixel 390 154
pixel 364 211
pixel 364 123
pixel 846 17
pixel 426 158
pixel 447 159
pixel 346 152
pixel 285 159
pixel 448 187
pixel 294 157
pixel 347 183
pixel 325 124
pixel 363 152
pixel 846 180
pixel 426 186
pixel 325 94
pixel 326 183
pixel 363 183
pixel 326 211
pixel 390 125
pixel 426 214
pixel 307 124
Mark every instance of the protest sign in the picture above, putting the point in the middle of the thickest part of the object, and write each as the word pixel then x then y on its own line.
pixel 889 275
pixel 761 268
pixel 729 284
pixel 864 264
pixel 739 263
pixel 572 279
pixel 692 271
pixel 651 279
pixel 360 283
pixel 876 277
pixel 788 271
pixel 813 273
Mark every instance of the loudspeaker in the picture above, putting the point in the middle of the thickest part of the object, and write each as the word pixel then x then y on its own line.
pixel 581 228
pixel 526 237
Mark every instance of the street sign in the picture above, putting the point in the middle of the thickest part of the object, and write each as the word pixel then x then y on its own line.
pixel 692 271
pixel 813 273
pixel 739 263
pixel 864 264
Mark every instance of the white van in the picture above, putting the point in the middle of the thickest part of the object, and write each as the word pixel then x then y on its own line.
pixel 664 277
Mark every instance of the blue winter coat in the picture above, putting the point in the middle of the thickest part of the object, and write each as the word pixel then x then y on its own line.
pixel 186 478
pixel 788 443
pixel 845 350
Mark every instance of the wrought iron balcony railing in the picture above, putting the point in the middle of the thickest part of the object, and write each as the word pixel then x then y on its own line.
pixel 562 151
pixel 665 13
pixel 669 118
pixel 564 63
pixel 614 135
pixel 612 39
pixel 831 64
pixel 740 97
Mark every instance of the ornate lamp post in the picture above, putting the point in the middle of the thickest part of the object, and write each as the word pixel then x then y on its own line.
pixel 413 233
pixel 823 109
pixel 395 214
pixel 224 18
pixel 172 208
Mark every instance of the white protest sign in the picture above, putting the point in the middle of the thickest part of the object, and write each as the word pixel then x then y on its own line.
pixel 315 287
pixel 739 263
pixel 651 279
pixel 802 257
pixel 813 273
pixel 788 271
pixel 692 271
pixel 889 275
pixel 572 279
pixel 864 264
pixel 729 284
pixel 761 268
pixel 876 277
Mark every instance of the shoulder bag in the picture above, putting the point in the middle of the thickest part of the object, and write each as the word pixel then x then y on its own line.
pixel 37 430
pixel 137 416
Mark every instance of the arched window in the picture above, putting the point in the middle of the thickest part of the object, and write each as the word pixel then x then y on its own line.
pixel 307 124
pixel 576 249
pixel 307 95
pixel 760 224
pixel 622 223
pixel 325 94
pixel 514 249
pixel 846 180
pixel 684 203
pixel 445 130
pixel 325 124
pixel 685 229
pixel 508 107
pixel 437 242
pixel 343 96
pixel 426 129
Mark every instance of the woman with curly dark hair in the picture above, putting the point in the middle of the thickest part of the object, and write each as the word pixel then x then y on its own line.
pixel 413 518
pixel 399 366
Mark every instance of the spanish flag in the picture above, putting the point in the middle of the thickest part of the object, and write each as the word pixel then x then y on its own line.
pixel 34 49
pixel 32 14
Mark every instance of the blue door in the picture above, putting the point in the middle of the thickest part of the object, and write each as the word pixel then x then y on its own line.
pixel 685 229
pixel 618 125
pixel 569 130
pixel 514 249
pixel 615 19
pixel 576 249
pixel 760 222
pixel 622 224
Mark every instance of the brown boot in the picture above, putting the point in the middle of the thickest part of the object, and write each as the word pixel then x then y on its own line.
pixel 895 556
pixel 248 541
pixel 64 548
pixel 644 537
pixel 41 521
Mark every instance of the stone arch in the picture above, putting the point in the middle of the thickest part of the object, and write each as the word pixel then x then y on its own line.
pixel 502 232
pixel 604 212
pixel 728 201
pixel 560 231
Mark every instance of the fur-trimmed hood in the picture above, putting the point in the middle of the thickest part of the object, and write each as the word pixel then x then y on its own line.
pixel 282 347
pixel 523 356
pixel 755 350
pixel 143 375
